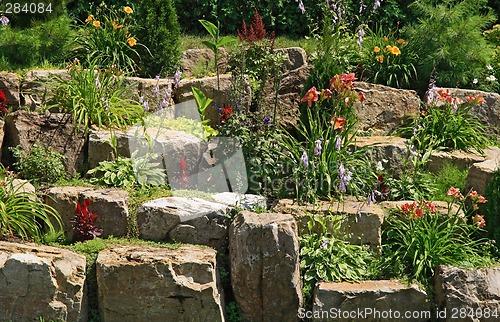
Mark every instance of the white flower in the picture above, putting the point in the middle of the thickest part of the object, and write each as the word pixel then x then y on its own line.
pixel 491 78
pixel 474 81
pixel 380 167
pixel 488 67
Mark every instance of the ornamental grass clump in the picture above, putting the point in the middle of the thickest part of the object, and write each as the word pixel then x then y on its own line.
pixel 418 237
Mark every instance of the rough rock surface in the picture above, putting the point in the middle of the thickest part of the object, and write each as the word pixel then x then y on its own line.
pixel 246 201
pixel 461 159
pixel 291 86
pixel 265 276
pixel 142 283
pixel 359 299
pixel 184 220
pixel 475 291
pixel 296 57
pixel 208 85
pixel 192 59
pixel 384 108
pixel 110 204
pixel 55 130
pixel 10 84
pixel 101 150
pixel 34 86
pixel 41 281
pixel 488 112
pixel 362 222
pixel 480 173
pixel 391 151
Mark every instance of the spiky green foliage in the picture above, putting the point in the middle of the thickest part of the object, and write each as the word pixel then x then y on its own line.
pixel 448 39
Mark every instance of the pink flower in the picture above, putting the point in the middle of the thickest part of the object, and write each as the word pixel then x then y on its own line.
pixel 479 220
pixel 455 192
pixel 338 123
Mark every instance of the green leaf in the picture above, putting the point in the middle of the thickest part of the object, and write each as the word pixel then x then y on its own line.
pixel 211 28
pixel 225 40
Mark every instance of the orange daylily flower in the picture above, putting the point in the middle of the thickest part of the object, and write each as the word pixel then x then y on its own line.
pixel 96 24
pixel 89 18
pixel 128 10
pixel 117 27
pixel 338 123
pixel 376 49
pixel 132 42
pixel 395 51
pixel 311 96
pixel 401 41
pixel 380 59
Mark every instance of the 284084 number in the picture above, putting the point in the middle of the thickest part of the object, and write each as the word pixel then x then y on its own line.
pixel 32 7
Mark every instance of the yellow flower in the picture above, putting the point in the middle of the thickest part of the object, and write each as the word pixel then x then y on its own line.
pixel 117 27
pixel 386 39
pixel 89 18
pixel 376 49
pixel 401 41
pixel 380 59
pixel 395 51
pixel 388 48
pixel 96 24
pixel 132 42
pixel 128 10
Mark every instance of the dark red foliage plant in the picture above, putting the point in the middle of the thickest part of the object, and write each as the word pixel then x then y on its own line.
pixel 85 227
pixel 256 32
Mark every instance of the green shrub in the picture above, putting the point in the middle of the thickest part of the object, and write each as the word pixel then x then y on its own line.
pixel 449 42
pixel 106 39
pixel 94 96
pixel 21 214
pixel 26 13
pixel 160 33
pixel 41 164
pixel 46 42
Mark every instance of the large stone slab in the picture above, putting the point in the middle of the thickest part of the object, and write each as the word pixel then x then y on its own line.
pixel 10 84
pixel 54 130
pixel 245 201
pixel 463 160
pixel 488 112
pixel 41 281
pixel 142 283
pixel 468 294
pixel 384 108
pixel 110 204
pixel 100 148
pixel 295 57
pixel 195 59
pixel 265 274
pixel 35 87
pixel 480 173
pixel 184 220
pixel 383 301
pixel 362 222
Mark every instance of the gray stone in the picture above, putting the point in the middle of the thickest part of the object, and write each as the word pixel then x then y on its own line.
pixel 488 112
pixel 461 159
pixel 147 91
pixel 41 281
pixel 193 59
pixel 142 283
pixel 184 220
pixel 369 301
pixel 10 84
pixel 36 86
pixel 296 57
pixel 100 148
pixel 208 85
pixel 288 105
pixel 384 108
pixel 480 173
pixel 265 274
pixel 246 201
pixel 54 130
pixel 391 151
pixel 111 205
pixel 361 222
pixel 475 291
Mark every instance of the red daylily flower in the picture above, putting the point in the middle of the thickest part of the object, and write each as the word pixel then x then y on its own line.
pixel 338 123
pixel 455 192
pixel 311 96
pixel 225 113
pixel 479 220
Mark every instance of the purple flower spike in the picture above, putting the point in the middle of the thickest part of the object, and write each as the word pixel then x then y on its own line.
pixel 304 159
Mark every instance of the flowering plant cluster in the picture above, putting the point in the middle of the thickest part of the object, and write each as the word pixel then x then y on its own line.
pixel 320 163
pixel 387 60
pixel 107 37
pixel 419 237
pixel 85 222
